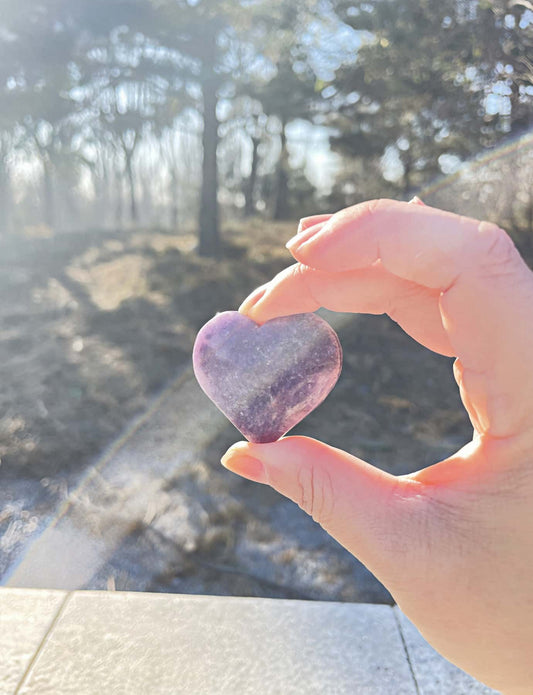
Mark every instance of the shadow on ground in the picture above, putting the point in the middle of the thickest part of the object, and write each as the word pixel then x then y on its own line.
pixel 92 325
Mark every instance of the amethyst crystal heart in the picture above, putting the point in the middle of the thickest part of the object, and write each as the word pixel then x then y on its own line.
pixel 266 378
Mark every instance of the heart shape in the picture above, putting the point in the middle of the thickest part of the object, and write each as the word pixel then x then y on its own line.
pixel 266 378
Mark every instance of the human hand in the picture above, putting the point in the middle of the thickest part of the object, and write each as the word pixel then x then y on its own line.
pixel 453 543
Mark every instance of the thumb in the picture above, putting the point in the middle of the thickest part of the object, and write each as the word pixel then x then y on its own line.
pixel 356 503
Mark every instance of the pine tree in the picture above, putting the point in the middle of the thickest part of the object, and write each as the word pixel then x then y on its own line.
pixel 418 87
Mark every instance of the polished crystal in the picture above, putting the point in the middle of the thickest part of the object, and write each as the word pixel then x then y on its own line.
pixel 266 378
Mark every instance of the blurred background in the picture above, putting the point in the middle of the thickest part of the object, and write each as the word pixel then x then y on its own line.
pixel 155 155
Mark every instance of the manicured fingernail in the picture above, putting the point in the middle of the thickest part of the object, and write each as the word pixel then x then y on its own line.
pixel 416 201
pixel 246 466
pixel 302 237
pixel 302 224
pixel 253 299
pixel 310 221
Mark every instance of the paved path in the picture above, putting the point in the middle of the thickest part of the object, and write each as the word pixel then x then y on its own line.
pixel 74 545
pixel 91 643
pixel 170 434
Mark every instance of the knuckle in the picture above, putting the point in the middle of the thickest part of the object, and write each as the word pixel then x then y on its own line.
pixel 306 276
pixel 408 293
pixel 315 493
pixel 371 208
pixel 498 253
pixel 360 211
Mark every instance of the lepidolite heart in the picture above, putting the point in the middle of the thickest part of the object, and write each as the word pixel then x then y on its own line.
pixel 266 378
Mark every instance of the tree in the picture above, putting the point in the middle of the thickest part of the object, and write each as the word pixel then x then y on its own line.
pixel 52 49
pixel 236 38
pixel 291 91
pixel 249 189
pixel 506 40
pixel 35 48
pixel 201 34
pixel 94 80
pixel 419 85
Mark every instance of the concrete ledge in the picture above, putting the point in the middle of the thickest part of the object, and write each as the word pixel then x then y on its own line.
pixel 25 619
pixel 89 643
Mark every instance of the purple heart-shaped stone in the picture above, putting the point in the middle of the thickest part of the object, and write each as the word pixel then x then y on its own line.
pixel 266 378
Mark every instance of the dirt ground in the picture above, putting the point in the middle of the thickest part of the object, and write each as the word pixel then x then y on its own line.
pixel 395 404
pixel 93 324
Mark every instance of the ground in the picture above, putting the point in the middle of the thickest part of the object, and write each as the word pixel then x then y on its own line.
pixel 93 324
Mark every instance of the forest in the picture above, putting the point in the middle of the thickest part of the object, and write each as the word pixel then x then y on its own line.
pixel 174 112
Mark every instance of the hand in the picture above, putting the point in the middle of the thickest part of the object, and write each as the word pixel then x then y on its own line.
pixel 453 542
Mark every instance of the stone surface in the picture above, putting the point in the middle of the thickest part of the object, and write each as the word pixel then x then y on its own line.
pixel 25 618
pixel 87 643
pixel 266 378
pixel 434 675
pixel 161 644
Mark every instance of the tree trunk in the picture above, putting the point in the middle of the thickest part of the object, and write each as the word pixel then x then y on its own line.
pixel 281 203
pixel 5 202
pixel 103 197
pixel 174 199
pixel 209 235
pixel 118 199
pixel 529 214
pixel 146 212
pixel 131 183
pixel 48 194
pixel 407 169
pixel 68 214
pixel 249 191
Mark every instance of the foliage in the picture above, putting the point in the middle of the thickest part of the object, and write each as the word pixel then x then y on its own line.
pixel 425 82
pixel 167 108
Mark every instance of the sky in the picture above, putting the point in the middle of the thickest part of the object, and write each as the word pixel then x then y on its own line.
pixel 309 146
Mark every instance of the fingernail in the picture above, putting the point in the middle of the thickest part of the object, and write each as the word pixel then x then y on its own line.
pixel 300 238
pixel 246 466
pixel 302 222
pixel 416 201
pixel 293 243
pixel 253 299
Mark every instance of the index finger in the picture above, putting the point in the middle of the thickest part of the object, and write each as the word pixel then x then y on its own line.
pixel 485 294
pixel 311 221
pixel 418 243
pixel 374 290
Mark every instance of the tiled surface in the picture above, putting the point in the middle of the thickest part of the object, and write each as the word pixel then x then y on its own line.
pixel 25 618
pixel 434 675
pixel 129 643
pixel 96 643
